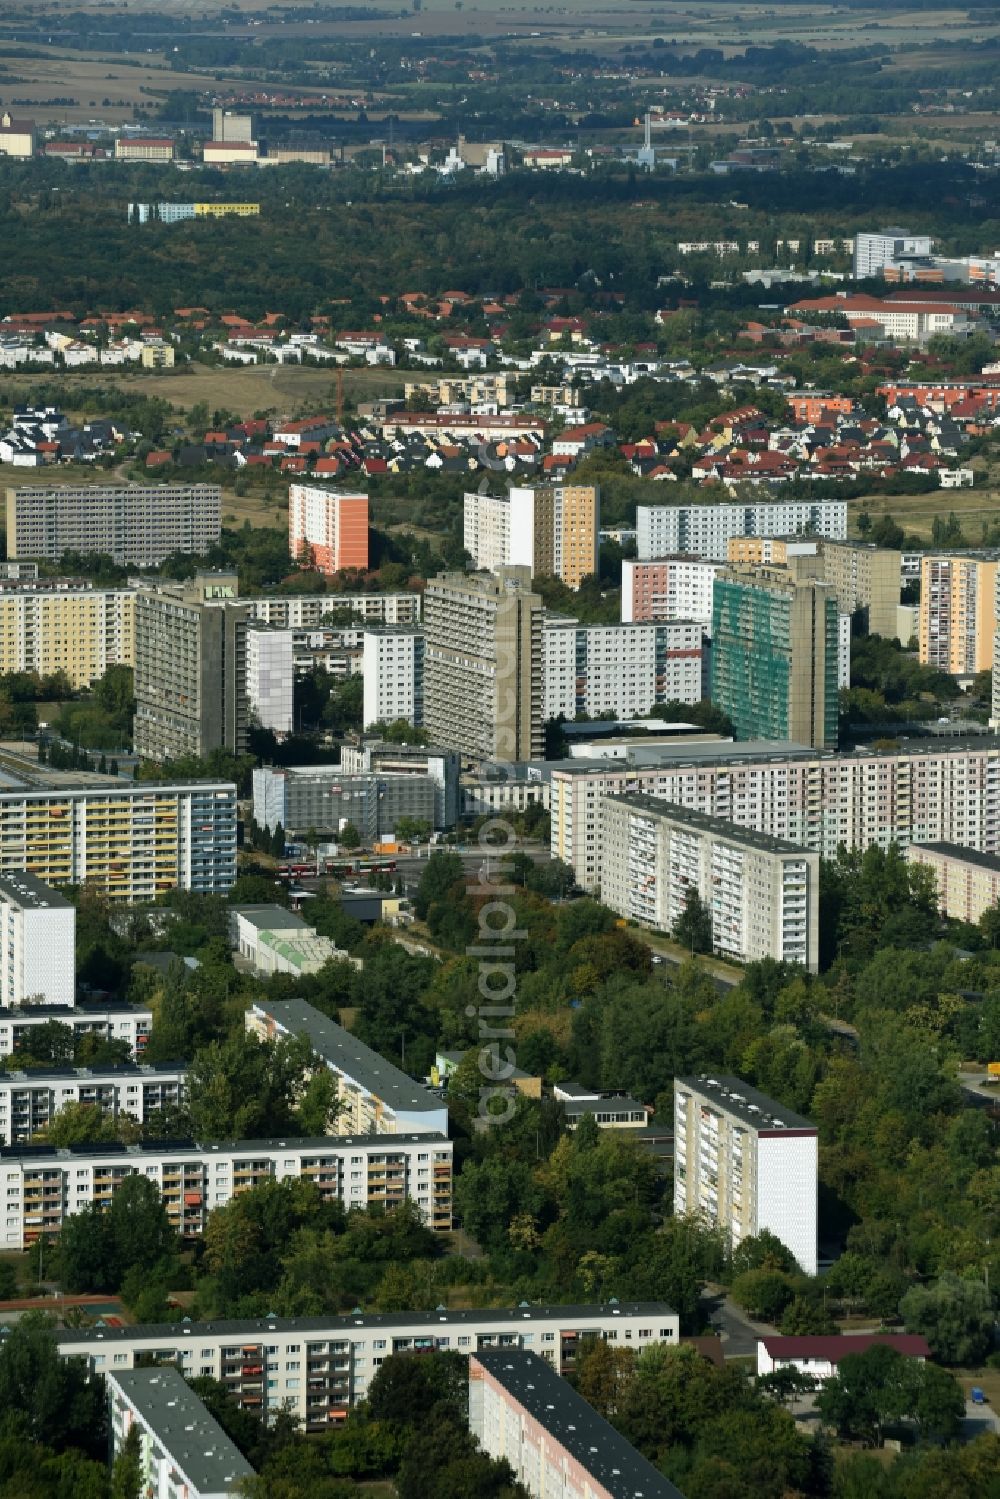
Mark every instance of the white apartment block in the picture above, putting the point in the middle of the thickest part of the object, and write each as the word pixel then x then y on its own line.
pixel 270 678
pixel 37 943
pixel 45 1186
pixel 624 669
pixel 376 1097
pixel 705 530
pixel 30 1100
pixel 127 1023
pixel 817 800
pixel 183 1451
pixel 761 893
pixel 746 1163
pixel 317 1368
pixel 874 251
pixel 669 588
pixel 521 1412
pixel 305 610
pixel 553 531
pixel 140 524
pixel 393 672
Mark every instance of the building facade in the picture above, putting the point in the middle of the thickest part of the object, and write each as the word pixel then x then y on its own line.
pixel 317 1368
pixel 45 1186
pixel 30 1100
pixel 143 148
pixel 968 882
pixel 326 797
pixel 74 629
pixel 393 671
pixel 521 1412
pixel 745 1163
pixel 327 529
pixel 670 588
pixel 551 530
pixel 117 1022
pixel 376 1097
pixel 775 655
pixel 867 579
pixel 705 530
pixel 381 758
pixel 190 668
pixel 919 793
pixel 624 669
pixel 874 251
pixel 183 1451
pixel 270 678
pixel 761 893
pixel 483 665
pixel 37 943
pixel 304 610
pixel 957 617
pixel 137 524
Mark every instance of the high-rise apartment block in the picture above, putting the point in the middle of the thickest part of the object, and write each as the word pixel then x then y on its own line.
pixel 865 578
pixel 967 881
pixel 303 610
pixel 552 531
pixel 37 943
pixel 393 671
pixel 874 251
pixel 746 1163
pixel 136 524
pixel 270 678
pixel 624 669
pixel 775 654
pixel 66 627
pixel 669 588
pixel 182 1448
pixel 957 617
pixel 922 792
pixel 327 529
pixel 761 893
pixel 190 667
pixel 705 530
pixel 483 665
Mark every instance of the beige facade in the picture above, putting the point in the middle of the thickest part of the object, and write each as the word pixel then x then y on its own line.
pixel 483 665
pixel 139 148
pixel 865 578
pixel 968 882
pixel 552 531
pixel 190 667
pixel 760 551
pixel 484 389
pixel 761 893
pixel 957 620
pixel 17 137
pixel 79 631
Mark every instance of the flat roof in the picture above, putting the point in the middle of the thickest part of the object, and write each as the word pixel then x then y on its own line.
pixel 167 1333
pixel 161 1149
pixel 121 1072
pixel 960 855
pixel 677 756
pixel 347 1054
pixel 31 893
pixel 722 827
pixel 733 1096
pixel 591 1441
pixel 272 918
pixel 194 1440
pixel 85 1010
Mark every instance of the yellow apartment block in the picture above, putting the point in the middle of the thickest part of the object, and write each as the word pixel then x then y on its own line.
pixel 79 631
pixel 957 618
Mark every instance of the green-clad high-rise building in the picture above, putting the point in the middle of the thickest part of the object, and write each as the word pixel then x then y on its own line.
pixel 774 655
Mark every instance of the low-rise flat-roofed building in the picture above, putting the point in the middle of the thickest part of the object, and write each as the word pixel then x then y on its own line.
pixel 132 1024
pixel 761 892
pixel 46 1185
pixel 376 1096
pixel 37 943
pixel 29 1100
pixel 609 1110
pixel 341 1355
pixel 968 882
pixel 746 1163
pixel 521 1412
pixel 274 940
pixel 182 1449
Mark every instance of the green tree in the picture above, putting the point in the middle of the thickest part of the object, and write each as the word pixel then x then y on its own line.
pixel 442 873
pixel 58 1400
pixel 955 1316
pixel 763 1294
pixel 126 1470
pixel 349 837
pixel 693 926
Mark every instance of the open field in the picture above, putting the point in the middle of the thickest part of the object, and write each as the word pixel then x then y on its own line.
pixel 916 512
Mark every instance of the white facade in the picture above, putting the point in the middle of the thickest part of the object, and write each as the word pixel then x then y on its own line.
pixel 872 252
pixel 669 588
pixel 44 1187
pixel 843 650
pixel 746 1163
pixel 816 800
pixel 304 610
pixel 30 1100
pixel 118 1023
pixel 183 1451
pixel 37 943
pixel 318 1367
pixel 706 529
pixel 624 669
pixel 393 671
pixel 761 893
pixel 486 530
pixel 551 530
pixel 270 679
pixel 273 940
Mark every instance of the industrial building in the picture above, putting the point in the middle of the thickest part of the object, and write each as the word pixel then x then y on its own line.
pixel 275 940
pixel 745 1163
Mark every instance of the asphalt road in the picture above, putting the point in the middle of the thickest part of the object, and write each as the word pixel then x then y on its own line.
pixel 739 1336
pixel 979 1420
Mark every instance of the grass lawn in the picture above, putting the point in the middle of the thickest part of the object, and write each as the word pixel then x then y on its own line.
pixel 916 512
